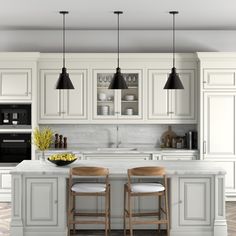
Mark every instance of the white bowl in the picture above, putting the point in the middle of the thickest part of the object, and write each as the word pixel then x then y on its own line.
pixel 129 97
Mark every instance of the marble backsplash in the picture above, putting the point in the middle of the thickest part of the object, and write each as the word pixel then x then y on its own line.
pixel 107 136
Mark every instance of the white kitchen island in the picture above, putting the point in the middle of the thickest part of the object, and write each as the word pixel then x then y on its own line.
pixel 196 196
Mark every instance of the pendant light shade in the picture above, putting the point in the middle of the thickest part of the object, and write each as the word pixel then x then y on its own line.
pixel 118 81
pixel 64 81
pixel 173 81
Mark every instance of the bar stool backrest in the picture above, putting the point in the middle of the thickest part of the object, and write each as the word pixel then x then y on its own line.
pixel 145 171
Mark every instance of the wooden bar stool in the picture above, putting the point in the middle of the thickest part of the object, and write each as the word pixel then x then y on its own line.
pixel 89 189
pixel 146 189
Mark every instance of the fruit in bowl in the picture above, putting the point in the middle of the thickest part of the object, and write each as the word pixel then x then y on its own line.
pixel 62 159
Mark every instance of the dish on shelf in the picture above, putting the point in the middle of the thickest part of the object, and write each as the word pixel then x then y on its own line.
pixel 129 97
pixel 102 97
pixel 62 159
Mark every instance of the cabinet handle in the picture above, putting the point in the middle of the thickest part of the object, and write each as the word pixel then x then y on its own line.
pixel 204 82
pixel 204 147
pixel 63 112
pixel 170 112
pixel 55 201
pixel 117 112
pixel 29 92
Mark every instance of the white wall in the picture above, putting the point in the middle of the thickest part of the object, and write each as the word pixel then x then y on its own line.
pixel 105 40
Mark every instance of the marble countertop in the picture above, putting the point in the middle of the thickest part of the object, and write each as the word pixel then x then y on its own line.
pixel 135 150
pixel 119 169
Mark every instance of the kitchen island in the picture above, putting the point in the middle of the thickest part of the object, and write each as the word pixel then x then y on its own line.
pixel 196 196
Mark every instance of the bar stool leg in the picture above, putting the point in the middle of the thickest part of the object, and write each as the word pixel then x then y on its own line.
pixel 124 213
pixel 130 214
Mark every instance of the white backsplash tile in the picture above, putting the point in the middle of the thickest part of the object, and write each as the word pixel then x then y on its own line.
pixel 106 135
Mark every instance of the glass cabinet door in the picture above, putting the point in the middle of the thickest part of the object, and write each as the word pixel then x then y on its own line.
pixel 105 99
pixel 130 99
pixel 117 104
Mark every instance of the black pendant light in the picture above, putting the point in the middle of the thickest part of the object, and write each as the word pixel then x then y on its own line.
pixel 118 81
pixel 173 81
pixel 64 81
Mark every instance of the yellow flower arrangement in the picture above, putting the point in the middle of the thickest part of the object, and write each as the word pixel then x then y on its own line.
pixel 42 139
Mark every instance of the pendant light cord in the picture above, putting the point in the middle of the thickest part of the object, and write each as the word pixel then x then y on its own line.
pixel 173 40
pixel 64 38
pixel 118 40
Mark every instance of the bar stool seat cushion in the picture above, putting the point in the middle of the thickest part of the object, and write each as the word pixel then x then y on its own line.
pixel 147 187
pixel 88 187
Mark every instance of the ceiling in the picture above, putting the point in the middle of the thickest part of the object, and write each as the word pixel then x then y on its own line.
pixel 98 14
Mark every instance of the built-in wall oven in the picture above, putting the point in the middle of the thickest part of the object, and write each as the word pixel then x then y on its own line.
pixel 15 147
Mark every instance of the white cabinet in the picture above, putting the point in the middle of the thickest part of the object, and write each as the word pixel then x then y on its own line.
pixel 41 201
pixel 117 156
pixel 195 201
pixel 113 105
pixel 218 112
pixel 219 124
pixel 176 155
pixel 167 105
pixel 5 184
pixel 219 79
pixel 179 157
pixel 15 84
pixel 61 106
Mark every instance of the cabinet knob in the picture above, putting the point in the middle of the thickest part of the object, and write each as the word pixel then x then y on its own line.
pixel 180 202
pixel 55 201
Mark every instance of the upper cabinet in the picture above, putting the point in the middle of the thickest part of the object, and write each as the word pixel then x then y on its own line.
pixel 173 106
pixel 144 102
pixel 219 78
pixel 15 84
pixel 18 73
pixel 62 106
pixel 115 105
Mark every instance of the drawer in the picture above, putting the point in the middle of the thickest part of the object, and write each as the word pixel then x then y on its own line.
pixel 219 78
pixel 179 157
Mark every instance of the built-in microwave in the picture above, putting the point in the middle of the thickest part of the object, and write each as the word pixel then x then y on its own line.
pixel 15 115
pixel 15 147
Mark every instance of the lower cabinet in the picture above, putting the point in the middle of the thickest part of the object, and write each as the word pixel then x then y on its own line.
pixel 179 156
pixel 122 157
pixel 195 201
pixel 41 201
pixel 5 184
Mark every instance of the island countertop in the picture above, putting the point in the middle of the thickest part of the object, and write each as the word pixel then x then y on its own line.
pixel 119 168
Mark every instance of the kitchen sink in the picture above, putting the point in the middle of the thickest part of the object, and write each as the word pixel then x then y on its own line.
pixel 117 149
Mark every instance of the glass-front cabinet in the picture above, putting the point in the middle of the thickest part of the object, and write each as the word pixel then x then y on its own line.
pixel 109 104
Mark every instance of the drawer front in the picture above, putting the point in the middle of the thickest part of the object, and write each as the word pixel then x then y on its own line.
pixel 219 79
pixel 179 157
pixel 123 157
